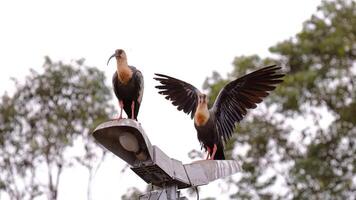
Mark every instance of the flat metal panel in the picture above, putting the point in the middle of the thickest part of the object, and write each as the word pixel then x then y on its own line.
pixel 196 175
pixel 179 172
pixel 205 171
pixel 162 160
pixel 221 169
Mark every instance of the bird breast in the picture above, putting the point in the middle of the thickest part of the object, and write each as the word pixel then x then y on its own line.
pixel 124 74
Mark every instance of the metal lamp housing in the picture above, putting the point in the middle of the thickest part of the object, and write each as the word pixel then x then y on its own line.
pixel 127 140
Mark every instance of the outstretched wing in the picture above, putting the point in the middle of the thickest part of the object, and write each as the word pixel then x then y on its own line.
pixel 182 94
pixel 241 94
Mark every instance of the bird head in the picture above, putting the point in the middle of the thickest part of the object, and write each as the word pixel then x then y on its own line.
pixel 119 54
pixel 203 99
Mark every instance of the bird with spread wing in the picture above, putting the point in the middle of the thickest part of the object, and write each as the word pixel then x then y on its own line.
pixel 215 126
pixel 128 85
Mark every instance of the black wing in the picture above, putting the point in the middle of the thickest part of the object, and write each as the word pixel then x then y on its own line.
pixel 138 77
pixel 115 84
pixel 241 94
pixel 182 94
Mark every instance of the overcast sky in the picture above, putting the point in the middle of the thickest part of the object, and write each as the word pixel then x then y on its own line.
pixel 186 39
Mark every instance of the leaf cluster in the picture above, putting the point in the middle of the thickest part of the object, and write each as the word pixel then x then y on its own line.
pixel 43 120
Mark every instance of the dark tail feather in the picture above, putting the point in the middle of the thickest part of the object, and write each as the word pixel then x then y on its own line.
pixel 137 108
pixel 219 155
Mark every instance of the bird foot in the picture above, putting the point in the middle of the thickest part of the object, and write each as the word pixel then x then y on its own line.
pixel 211 152
pixel 117 118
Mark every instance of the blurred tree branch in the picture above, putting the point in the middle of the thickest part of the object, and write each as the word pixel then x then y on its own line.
pixel 48 116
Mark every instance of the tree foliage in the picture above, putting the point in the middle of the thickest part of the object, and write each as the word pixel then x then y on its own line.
pixel 286 143
pixel 300 142
pixel 47 116
pixel 132 193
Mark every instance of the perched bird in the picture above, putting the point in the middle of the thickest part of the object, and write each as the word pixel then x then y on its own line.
pixel 128 85
pixel 215 125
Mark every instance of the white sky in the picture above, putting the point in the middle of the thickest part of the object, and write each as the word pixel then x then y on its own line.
pixel 186 39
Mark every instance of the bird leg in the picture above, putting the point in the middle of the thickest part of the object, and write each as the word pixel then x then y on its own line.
pixel 214 151
pixel 121 104
pixel 132 110
pixel 209 150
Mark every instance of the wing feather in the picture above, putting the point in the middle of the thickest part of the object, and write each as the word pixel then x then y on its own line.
pixel 140 83
pixel 241 94
pixel 182 94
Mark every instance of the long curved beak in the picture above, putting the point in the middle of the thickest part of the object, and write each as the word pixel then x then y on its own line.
pixel 113 55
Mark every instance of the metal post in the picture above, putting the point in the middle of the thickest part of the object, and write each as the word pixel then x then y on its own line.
pixel 171 192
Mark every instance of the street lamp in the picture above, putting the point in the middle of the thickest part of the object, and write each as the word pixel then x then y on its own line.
pixel 127 140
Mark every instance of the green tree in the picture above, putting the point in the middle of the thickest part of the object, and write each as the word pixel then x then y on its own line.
pixel 322 61
pixel 277 149
pixel 47 116
pixel 132 194
pixel 316 162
